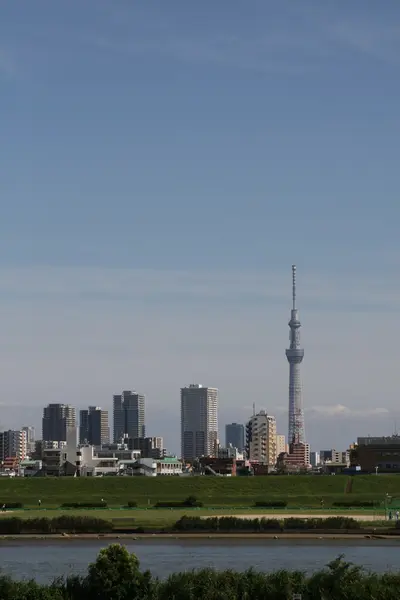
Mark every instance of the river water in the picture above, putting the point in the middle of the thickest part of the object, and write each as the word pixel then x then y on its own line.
pixel 42 560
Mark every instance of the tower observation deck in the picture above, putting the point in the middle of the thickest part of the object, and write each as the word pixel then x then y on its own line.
pixel 295 355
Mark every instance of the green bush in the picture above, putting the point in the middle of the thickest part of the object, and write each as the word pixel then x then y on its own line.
pixel 132 504
pixel 190 502
pixel 270 504
pixel 337 523
pixel 297 523
pixel 63 523
pixel 84 505
pixel 232 524
pixel 12 505
pixel 355 504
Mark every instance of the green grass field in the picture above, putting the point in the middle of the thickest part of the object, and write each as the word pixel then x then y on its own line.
pixel 299 491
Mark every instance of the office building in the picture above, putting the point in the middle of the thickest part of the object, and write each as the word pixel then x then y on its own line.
pixel 234 436
pixel 12 445
pixel 315 459
pixel 199 421
pixel 57 419
pixel 261 439
pixel 30 439
pixel 93 426
pixel 128 415
pixel 150 447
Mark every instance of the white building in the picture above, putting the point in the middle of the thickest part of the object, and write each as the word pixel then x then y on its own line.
pixel 199 421
pixel 315 459
pixel 30 439
pixel 261 438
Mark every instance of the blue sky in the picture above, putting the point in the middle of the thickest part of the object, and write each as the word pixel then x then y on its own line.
pixel 162 166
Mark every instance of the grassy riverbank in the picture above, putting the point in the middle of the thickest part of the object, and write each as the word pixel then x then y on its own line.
pixel 189 525
pixel 299 492
pixel 156 519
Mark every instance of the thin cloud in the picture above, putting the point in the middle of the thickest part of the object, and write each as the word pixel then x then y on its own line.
pixel 7 64
pixel 376 41
pixel 339 410
pixel 347 290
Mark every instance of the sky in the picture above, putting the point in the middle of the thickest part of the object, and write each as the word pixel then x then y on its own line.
pixel 162 166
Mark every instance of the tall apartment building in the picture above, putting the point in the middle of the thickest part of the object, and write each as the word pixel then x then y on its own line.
pixel 30 439
pixel 128 415
pixel 93 426
pixel 12 444
pixel 261 439
pixel 199 421
pixel 281 445
pixel 234 435
pixel 57 420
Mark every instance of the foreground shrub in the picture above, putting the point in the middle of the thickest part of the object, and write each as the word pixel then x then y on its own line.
pixel 84 505
pixel 116 575
pixel 270 503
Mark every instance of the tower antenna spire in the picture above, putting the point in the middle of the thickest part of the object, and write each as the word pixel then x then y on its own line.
pixel 295 354
pixel 294 286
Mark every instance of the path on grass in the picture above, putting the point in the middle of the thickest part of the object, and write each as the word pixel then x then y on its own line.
pixel 288 515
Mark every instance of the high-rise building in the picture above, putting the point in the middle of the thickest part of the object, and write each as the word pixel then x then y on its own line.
pixel 199 421
pixel 261 439
pixel 93 426
pixel 281 444
pixel 13 444
pixel 128 415
pixel 315 459
pixel 295 355
pixel 30 439
pixel 234 435
pixel 57 419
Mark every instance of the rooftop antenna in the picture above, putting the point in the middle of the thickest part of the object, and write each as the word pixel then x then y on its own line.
pixel 294 286
pixel 254 409
pixel 395 428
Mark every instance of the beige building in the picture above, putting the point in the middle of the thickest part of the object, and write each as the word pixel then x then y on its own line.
pixel 261 439
pixel 281 445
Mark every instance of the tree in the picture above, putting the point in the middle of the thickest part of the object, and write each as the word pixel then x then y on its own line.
pixel 115 574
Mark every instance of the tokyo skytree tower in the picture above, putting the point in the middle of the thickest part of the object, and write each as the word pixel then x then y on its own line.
pixel 295 355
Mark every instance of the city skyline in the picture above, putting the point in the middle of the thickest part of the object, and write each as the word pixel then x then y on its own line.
pixel 146 237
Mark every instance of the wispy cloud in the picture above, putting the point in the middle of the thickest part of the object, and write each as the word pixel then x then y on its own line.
pixel 275 53
pixel 339 410
pixel 349 289
pixel 379 41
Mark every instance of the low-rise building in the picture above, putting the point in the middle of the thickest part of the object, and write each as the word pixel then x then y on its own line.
pixel 229 452
pixel 377 454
